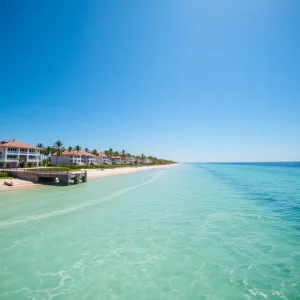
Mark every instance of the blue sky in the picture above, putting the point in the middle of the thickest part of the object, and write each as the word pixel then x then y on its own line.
pixel 186 80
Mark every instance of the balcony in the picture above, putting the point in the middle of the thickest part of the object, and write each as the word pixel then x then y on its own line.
pixel 32 158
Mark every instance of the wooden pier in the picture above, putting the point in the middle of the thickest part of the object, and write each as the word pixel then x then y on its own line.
pixel 64 178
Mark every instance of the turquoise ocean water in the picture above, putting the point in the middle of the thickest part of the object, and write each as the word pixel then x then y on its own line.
pixel 194 231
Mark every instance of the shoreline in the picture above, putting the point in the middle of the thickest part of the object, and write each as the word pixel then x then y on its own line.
pixel 91 173
pixel 96 174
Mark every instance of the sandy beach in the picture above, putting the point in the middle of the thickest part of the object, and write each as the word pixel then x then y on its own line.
pixel 18 184
pixel 92 174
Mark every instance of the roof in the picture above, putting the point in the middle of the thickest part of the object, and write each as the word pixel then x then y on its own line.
pixel 101 154
pixel 16 144
pixel 74 152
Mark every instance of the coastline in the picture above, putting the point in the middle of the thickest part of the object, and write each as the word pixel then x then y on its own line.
pixel 91 173
pixel 18 184
pixel 95 174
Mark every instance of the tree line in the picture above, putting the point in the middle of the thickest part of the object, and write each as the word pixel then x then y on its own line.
pixel 58 148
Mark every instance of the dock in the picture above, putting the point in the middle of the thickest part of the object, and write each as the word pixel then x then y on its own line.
pixel 64 177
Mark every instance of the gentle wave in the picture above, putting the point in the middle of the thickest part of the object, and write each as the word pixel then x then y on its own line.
pixel 201 231
pixel 73 208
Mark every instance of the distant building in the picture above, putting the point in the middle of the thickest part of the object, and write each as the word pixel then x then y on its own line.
pixel 127 160
pixel 14 151
pixel 74 157
pixel 147 161
pixel 116 160
pixel 102 159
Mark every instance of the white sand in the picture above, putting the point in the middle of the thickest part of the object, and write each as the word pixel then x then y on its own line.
pixel 92 174
pixel 18 184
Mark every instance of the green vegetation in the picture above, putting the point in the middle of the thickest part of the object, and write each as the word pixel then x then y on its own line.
pixel 4 175
pixel 47 151
pixel 50 169
pixel 75 168
pixel 58 145
pixel 110 153
pixel 77 148
pixel 45 162
pixel 21 162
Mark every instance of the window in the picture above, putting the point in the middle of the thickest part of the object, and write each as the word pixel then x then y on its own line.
pixel 12 149
pixel 32 151
pixel 12 157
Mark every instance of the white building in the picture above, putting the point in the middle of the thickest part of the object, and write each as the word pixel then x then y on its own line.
pixel 116 160
pixel 14 151
pixel 129 160
pixel 102 159
pixel 74 157
pixel 147 161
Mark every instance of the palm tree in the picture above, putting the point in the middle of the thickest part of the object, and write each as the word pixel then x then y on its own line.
pixel 42 150
pixel 70 148
pixel 77 148
pixel 58 145
pixel 21 162
pixel 143 157
pixel 109 152
pixel 95 152
pixel 48 150
pixel 87 150
pixel 123 155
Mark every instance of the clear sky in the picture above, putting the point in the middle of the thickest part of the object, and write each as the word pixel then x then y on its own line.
pixel 187 80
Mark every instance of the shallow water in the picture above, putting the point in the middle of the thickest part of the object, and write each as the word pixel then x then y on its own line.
pixel 197 231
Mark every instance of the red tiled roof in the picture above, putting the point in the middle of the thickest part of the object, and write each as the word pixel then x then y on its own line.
pixel 101 154
pixel 74 152
pixel 16 144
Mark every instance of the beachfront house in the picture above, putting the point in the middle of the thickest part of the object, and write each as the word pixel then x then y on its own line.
pixel 146 161
pixel 74 157
pixel 132 160
pixel 16 152
pixel 116 160
pixel 102 159
pixel 127 160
